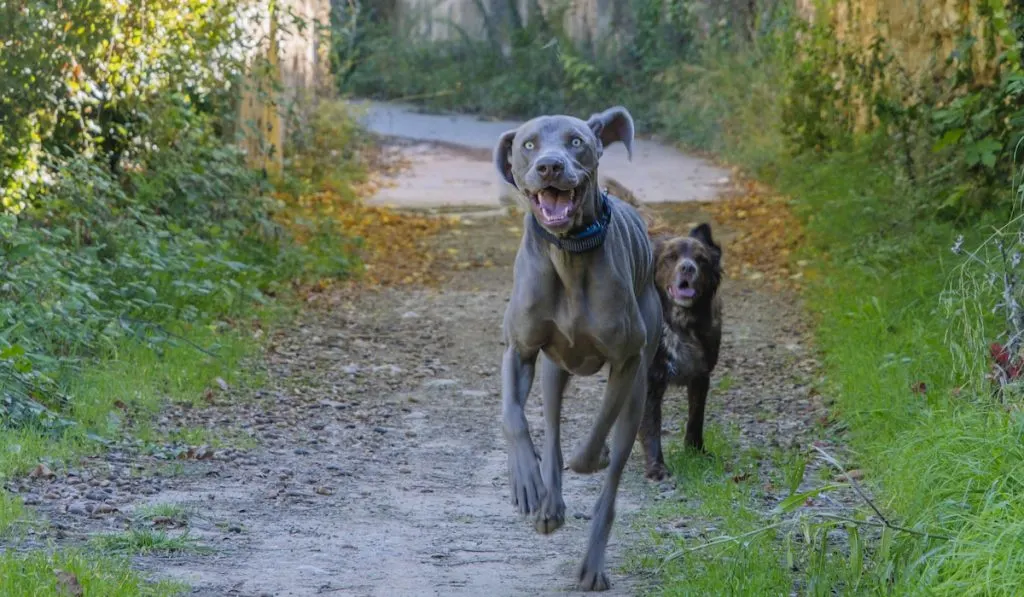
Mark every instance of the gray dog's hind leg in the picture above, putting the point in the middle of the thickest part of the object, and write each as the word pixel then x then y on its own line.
pixel 524 473
pixel 589 458
pixel 592 575
pixel 553 380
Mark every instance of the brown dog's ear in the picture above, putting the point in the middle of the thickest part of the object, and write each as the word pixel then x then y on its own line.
pixel 614 124
pixel 501 156
pixel 703 233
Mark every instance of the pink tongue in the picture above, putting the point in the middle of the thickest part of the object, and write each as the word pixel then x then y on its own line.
pixel 687 292
pixel 554 205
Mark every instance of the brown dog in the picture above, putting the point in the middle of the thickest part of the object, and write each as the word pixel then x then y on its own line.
pixel 687 274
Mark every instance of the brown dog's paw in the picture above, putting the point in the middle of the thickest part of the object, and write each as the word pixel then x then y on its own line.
pixel 657 472
pixel 694 445
pixel 593 580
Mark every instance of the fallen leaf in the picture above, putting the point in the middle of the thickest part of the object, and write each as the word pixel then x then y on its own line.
pixel 853 474
pixel 42 472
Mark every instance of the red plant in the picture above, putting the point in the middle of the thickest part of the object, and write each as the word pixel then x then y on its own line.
pixel 1007 367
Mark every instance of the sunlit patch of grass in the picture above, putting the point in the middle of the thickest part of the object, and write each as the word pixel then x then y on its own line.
pixel 76 573
pixel 125 392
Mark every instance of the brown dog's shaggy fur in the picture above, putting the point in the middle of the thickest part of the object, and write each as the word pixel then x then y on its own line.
pixel 687 274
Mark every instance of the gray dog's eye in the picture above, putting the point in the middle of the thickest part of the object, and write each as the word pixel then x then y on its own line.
pixel 528 145
pixel 576 142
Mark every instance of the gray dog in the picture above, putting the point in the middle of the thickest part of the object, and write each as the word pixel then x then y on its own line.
pixel 583 296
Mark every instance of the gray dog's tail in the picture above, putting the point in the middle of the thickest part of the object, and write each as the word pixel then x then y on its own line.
pixel 655 227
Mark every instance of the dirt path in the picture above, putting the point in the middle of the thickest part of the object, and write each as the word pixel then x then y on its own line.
pixel 380 468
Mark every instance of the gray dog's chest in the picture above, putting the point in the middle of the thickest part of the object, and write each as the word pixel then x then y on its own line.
pixel 582 310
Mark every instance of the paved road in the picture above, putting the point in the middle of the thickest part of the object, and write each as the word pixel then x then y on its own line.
pixel 450 157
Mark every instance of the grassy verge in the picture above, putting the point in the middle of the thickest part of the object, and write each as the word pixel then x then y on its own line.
pixel 719 501
pixel 942 457
pixel 123 294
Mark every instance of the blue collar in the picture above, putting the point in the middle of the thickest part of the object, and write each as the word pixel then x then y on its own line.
pixel 585 240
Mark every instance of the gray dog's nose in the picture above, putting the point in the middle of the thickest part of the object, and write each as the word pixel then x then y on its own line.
pixel 549 166
pixel 689 267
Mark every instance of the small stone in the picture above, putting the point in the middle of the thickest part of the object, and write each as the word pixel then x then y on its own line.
pixel 78 508
pixel 323 490
pixel 301 451
pixel 96 495
pixel 475 393
pixel 440 383
pixel 31 500
pixel 581 516
pixel 103 509
pixel 410 315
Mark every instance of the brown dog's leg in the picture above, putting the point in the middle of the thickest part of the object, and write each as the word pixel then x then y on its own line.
pixel 650 429
pixel 697 396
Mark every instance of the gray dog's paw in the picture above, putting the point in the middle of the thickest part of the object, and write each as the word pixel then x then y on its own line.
pixel 524 476
pixel 551 515
pixel 593 580
pixel 584 463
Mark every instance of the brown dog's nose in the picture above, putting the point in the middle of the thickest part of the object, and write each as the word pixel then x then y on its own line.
pixel 549 166
pixel 689 267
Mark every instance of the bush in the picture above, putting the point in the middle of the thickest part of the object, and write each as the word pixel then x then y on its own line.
pixel 127 215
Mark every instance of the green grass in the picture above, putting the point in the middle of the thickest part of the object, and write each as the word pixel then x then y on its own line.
pixel 716 499
pixel 125 392
pixel 12 514
pixel 176 513
pixel 148 541
pixel 946 462
pixel 40 573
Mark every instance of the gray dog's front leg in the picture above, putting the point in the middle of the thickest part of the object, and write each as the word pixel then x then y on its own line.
pixel 553 380
pixel 517 374
pixel 590 457
pixel 592 575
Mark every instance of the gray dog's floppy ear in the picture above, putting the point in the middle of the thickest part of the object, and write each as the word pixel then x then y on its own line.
pixel 501 156
pixel 614 124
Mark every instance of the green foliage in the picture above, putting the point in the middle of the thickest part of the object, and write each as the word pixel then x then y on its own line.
pixel 92 77
pixel 521 70
pixel 128 218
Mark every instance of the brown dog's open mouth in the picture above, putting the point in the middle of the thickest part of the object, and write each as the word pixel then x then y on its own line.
pixel 683 292
pixel 553 206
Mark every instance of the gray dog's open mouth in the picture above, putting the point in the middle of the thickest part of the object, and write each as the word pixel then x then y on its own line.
pixel 553 206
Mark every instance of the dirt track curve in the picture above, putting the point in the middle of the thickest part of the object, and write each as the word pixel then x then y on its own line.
pixel 379 466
